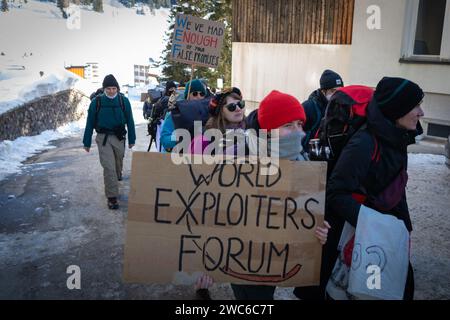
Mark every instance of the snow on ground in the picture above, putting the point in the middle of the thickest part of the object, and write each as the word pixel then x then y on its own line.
pixel 36 38
pixel 16 91
pixel 425 160
pixel 13 153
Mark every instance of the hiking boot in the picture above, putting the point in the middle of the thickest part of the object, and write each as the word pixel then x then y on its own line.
pixel 113 204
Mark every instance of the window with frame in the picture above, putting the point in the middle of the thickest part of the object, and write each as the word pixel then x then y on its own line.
pixel 427 31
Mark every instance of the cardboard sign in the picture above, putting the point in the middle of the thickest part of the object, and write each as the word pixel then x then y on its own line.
pixel 226 220
pixel 197 41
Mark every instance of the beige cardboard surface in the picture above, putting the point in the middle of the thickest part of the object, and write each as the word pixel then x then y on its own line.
pixel 197 41
pixel 225 220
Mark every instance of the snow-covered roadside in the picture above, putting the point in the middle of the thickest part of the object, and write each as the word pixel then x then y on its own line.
pixel 116 39
pixel 33 87
pixel 13 153
pixel 420 160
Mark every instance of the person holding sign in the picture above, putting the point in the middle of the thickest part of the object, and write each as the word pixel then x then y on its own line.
pixel 371 170
pixel 227 112
pixel 283 112
pixel 277 111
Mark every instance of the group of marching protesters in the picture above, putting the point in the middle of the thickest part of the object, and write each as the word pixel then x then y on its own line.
pixel 362 133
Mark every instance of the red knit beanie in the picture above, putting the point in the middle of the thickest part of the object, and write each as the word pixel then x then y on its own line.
pixel 277 109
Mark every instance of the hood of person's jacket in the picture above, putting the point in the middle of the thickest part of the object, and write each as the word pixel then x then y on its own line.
pixel 251 121
pixel 319 97
pixel 387 130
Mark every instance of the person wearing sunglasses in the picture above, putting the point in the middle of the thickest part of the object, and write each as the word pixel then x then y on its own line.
pixel 197 90
pixel 227 112
pixel 277 111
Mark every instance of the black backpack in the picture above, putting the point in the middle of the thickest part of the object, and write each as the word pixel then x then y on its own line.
pixel 345 114
pixel 186 112
pixel 96 93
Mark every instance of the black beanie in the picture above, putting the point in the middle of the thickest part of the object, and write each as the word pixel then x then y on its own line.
pixel 170 85
pixel 330 79
pixel 397 96
pixel 110 81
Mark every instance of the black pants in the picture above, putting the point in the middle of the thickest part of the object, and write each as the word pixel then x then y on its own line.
pixel 409 286
pixel 252 292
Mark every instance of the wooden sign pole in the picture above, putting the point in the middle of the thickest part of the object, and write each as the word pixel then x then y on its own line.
pixel 190 81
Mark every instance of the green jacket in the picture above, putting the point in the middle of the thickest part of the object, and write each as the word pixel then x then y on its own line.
pixel 109 116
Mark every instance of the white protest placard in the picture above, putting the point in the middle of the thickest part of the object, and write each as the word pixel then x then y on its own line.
pixel 197 41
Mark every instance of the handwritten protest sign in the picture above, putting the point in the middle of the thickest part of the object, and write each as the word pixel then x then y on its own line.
pixel 197 41
pixel 226 220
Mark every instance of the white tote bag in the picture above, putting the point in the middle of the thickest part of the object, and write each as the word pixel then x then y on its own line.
pixel 380 259
pixel 380 256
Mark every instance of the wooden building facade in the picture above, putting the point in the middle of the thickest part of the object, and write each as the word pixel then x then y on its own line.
pixel 285 45
pixel 293 21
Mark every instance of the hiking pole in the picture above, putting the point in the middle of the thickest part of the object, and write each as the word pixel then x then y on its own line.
pixel 151 142
pixel 151 132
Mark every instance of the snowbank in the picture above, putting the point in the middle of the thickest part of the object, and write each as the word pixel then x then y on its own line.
pixel 18 90
pixel 13 153
pixel 36 38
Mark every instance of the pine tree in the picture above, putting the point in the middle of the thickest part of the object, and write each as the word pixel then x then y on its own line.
pixel 97 5
pixel 222 12
pixel 5 6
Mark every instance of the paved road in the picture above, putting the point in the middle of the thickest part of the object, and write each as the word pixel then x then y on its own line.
pixel 53 215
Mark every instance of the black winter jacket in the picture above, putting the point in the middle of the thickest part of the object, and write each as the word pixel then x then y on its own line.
pixel 315 110
pixel 357 172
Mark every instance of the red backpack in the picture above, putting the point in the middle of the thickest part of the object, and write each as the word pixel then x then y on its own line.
pixel 345 114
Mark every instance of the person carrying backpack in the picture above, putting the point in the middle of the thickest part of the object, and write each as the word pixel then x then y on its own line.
pixel 344 115
pixel 372 167
pixel 156 114
pixel 197 91
pixel 98 92
pixel 317 102
pixel 279 111
pixel 108 114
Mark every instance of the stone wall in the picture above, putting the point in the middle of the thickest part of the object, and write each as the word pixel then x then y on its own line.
pixel 47 112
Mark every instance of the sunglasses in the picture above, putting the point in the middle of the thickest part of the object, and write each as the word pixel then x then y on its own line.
pixel 196 93
pixel 232 106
